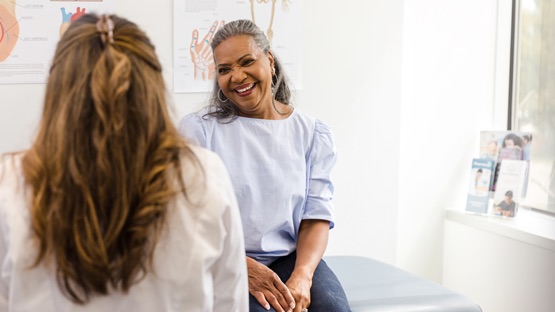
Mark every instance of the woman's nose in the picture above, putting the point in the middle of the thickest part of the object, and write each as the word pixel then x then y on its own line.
pixel 238 75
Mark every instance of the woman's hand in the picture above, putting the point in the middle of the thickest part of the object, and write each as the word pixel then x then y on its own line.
pixel 268 289
pixel 299 284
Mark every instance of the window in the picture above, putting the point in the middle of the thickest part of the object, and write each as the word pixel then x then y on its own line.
pixel 532 107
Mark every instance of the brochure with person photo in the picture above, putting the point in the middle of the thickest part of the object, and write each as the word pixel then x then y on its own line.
pixel 477 200
pixel 491 143
pixel 510 186
pixel 501 145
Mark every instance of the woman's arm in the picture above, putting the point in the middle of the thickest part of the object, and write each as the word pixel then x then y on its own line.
pixel 311 245
pixel 318 217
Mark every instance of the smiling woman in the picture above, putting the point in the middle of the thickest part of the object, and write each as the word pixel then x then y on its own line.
pixel 280 161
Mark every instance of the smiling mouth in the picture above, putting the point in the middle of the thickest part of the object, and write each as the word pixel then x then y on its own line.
pixel 245 89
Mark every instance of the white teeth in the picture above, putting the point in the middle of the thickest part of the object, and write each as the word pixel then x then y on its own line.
pixel 245 89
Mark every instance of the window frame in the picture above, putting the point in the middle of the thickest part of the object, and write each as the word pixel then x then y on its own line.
pixel 546 205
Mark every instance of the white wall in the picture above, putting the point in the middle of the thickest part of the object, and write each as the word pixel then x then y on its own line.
pixel 406 86
pixel 448 97
pixel 352 80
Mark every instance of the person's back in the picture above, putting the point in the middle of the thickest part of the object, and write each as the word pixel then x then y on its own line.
pixel 110 210
pixel 199 248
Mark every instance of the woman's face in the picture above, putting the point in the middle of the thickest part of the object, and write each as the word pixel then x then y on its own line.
pixel 244 74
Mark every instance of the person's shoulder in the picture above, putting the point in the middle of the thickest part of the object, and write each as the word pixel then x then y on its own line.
pixel 11 183
pixel 204 156
pixel 204 118
pixel 205 163
pixel 195 126
pixel 10 167
pixel 206 178
pixel 194 117
pixel 318 125
pixel 322 128
pixel 298 114
pixel 322 139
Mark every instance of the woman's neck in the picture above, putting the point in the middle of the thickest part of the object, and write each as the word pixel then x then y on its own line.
pixel 274 111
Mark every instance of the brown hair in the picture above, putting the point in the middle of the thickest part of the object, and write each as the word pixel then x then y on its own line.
pixel 106 160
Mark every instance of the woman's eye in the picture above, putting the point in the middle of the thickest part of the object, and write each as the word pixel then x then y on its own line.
pixel 247 62
pixel 222 71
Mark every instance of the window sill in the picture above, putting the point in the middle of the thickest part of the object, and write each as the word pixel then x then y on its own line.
pixel 528 226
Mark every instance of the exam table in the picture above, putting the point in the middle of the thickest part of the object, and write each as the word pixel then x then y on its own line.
pixel 372 285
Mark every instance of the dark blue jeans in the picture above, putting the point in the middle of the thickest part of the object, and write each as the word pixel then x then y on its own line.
pixel 326 293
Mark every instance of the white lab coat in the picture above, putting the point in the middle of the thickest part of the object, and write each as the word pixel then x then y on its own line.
pixel 199 261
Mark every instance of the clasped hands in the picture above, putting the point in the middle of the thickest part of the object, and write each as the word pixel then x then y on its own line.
pixel 268 289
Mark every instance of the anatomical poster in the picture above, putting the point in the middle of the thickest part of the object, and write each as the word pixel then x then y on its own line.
pixel 196 21
pixel 30 30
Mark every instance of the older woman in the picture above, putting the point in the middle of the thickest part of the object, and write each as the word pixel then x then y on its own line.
pixel 110 209
pixel 280 161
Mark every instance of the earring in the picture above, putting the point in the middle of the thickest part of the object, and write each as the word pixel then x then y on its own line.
pixel 219 98
pixel 273 71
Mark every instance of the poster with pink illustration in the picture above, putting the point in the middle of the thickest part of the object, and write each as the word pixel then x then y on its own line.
pixel 30 30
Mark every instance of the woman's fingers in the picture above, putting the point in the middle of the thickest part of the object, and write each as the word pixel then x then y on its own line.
pixel 271 291
pixel 268 289
pixel 287 296
pixel 277 300
pixel 299 286
pixel 261 299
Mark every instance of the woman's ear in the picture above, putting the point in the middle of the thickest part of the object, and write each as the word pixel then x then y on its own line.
pixel 271 59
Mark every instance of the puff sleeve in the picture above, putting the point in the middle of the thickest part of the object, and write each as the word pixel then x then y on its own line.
pixel 321 160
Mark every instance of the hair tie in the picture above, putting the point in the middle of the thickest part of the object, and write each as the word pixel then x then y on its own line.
pixel 105 26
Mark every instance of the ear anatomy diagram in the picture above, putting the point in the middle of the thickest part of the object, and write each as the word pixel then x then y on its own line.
pixel 284 7
pixel 9 28
pixel 69 17
pixel 201 53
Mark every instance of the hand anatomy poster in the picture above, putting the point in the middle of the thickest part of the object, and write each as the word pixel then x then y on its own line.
pixel 30 30
pixel 196 21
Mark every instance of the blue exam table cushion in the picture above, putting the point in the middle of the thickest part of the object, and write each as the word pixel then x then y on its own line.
pixel 372 285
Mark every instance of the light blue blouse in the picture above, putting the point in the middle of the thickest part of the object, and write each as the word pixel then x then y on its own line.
pixel 280 170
